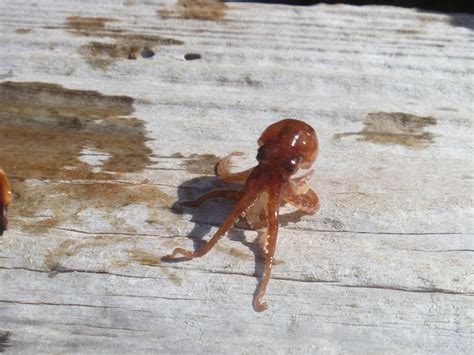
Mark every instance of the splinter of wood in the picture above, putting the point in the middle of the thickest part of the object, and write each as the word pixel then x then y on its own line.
pixel 284 148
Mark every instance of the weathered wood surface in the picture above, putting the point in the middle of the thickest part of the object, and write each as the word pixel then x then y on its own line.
pixel 100 147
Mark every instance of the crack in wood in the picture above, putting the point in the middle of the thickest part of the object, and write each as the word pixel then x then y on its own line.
pixel 99 327
pixel 411 290
pixel 82 271
pixel 440 251
pixel 303 229
pixel 58 304
pixel 376 233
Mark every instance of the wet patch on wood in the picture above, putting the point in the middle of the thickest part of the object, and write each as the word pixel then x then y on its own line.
pixel 203 164
pixel 235 252
pixel 394 128
pixel 86 25
pixel 54 260
pixel 195 9
pixel 46 126
pixel 65 151
pixel 126 45
pixel 107 251
pixel 148 259
pixel 23 31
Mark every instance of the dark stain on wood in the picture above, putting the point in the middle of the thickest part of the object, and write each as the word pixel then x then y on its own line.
pixel 55 260
pixel 394 128
pixel 148 259
pixel 195 9
pixel 125 45
pixel 46 205
pixel 235 253
pixel 97 27
pixel 52 258
pixel 86 25
pixel 47 135
pixel 4 340
pixel 46 126
pixel 22 31
pixel 101 55
pixel 200 163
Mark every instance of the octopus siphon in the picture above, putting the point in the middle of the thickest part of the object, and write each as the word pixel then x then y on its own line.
pixel 5 196
pixel 284 148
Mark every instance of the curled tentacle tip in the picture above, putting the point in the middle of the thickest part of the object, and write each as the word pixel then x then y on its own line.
pixel 171 256
pixel 260 307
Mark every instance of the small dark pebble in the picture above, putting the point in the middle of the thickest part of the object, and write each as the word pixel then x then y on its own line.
pixel 192 56
pixel 147 53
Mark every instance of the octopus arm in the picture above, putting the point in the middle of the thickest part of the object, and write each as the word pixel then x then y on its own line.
pixel 267 249
pixel 223 170
pixel 307 202
pixel 249 194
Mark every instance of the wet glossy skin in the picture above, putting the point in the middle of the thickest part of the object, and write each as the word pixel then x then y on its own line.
pixel 5 196
pixel 284 148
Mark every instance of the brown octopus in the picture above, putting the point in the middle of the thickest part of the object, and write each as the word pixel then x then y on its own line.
pixel 5 196
pixel 284 148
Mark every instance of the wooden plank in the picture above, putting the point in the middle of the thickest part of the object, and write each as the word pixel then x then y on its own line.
pixel 104 126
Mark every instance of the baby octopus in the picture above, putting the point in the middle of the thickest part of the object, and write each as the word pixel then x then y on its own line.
pixel 5 196
pixel 284 148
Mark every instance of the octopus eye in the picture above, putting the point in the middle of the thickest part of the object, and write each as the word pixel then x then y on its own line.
pixel 290 165
pixel 261 153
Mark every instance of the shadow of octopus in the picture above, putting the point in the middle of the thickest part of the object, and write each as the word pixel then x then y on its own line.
pixel 212 213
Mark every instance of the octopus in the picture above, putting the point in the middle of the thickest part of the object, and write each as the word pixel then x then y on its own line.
pixel 5 197
pixel 285 147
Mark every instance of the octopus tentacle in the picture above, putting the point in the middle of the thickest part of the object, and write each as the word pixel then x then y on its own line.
pixel 299 183
pixel 222 170
pixel 230 194
pixel 307 202
pixel 248 196
pixel 267 250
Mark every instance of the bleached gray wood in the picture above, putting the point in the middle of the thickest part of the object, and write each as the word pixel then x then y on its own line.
pixel 385 266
